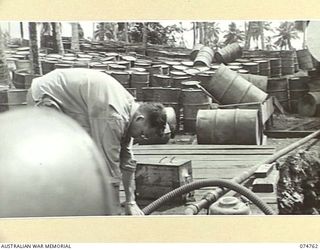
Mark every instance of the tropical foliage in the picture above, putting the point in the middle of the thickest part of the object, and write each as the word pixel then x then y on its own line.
pixel 234 34
pixel 156 33
pixel 286 33
pixel 212 34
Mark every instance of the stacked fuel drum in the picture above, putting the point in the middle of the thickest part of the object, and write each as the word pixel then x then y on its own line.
pixel 16 78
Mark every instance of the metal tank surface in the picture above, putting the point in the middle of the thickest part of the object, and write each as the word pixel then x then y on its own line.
pixel 49 166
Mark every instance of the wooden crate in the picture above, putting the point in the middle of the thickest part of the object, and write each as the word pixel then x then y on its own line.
pixel 154 178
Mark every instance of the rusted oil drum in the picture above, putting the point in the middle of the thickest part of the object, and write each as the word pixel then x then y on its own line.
pixel 138 81
pixel 195 51
pixel 234 67
pixel 298 87
pixel 229 126
pixel 130 59
pixel 177 81
pixel 155 70
pixel 304 59
pixel 309 104
pixel 124 63
pixel 192 100
pixel 275 67
pixel 264 67
pixel 278 87
pixel 177 73
pixel 165 69
pixel 229 53
pixel 62 65
pixel 99 66
pixel 204 78
pixel 190 84
pixel 22 79
pixel 296 63
pixel 11 99
pixel 253 53
pixel 160 81
pixel 252 67
pixel 117 67
pixel 169 97
pixel 171 64
pixel 122 77
pixel 287 62
pixel 80 64
pixel 179 68
pixel 228 87
pixel 204 57
pixel 260 82
pixel 48 66
pixel 23 65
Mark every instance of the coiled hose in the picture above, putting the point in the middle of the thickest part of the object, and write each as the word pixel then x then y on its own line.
pixel 209 183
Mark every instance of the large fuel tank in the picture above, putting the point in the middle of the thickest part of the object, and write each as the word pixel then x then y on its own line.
pixel 49 166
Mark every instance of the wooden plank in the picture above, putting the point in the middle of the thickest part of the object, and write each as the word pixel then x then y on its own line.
pixel 263 171
pixel 202 146
pixel 266 185
pixel 280 134
pixel 201 152
pixel 253 158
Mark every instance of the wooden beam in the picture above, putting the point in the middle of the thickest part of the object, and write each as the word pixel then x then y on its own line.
pixel 280 134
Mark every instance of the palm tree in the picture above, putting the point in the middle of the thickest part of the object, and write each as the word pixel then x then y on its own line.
pixel 233 35
pixel 287 32
pixel 34 49
pixel 104 31
pixel 57 38
pixel 144 36
pixel 269 44
pixel 255 32
pixel 126 37
pixel 4 76
pixel 195 33
pixel 301 26
pixel 21 31
pixel 75 37
pixel 213 31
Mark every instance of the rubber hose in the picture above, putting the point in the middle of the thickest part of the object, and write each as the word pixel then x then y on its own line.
pixel 209 183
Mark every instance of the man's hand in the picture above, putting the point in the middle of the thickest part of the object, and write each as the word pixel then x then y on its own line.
pixel 131 208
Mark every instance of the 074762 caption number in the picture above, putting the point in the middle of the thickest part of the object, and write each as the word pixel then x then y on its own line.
pixel 312 246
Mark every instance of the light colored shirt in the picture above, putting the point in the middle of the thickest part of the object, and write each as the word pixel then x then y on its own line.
pixel 100 104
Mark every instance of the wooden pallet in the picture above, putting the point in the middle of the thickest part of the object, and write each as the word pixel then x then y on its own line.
pixel 208 162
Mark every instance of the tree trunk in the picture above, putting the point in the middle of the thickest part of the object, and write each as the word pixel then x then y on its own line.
pixel 194 33
pixel 144 36
pixel 54 35
pixel 34 49
pixel 289 44
pixel 304 35
pixel 205 34
pixel 59 39
pixel 248 35
pixel 115 31
pixel 126 37
pixel 4 77
pixel 201 32
pixel 75 37
pixel 262 35
pixel 21 30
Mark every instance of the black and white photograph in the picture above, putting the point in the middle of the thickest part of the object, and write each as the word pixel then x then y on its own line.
pixel 140 118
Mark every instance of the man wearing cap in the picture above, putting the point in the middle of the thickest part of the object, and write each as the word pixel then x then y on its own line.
pixel 104 108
